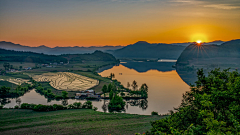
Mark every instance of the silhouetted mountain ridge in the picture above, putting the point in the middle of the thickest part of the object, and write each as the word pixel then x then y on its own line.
pixel 56 50
pixel 143 49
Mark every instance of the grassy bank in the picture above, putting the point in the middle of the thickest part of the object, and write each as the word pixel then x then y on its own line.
pixel 79 121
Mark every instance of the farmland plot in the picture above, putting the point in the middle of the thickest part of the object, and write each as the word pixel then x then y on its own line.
pixel 17 81
pixel 67 81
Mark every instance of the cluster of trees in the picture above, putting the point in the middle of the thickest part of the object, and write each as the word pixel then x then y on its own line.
pixel 212 106
pixel 142 92
pixel 49 94
pixel 7 66
pixel 116 102
pixel 19 91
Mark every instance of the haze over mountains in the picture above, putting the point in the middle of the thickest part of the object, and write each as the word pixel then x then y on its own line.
pixel 55 50
pixel 139 50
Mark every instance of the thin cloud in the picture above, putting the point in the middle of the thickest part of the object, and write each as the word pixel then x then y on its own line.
pixel 217 4
pixel 222 6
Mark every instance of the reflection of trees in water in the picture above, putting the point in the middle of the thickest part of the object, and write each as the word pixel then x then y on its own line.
pixel 141 103
pixel 4 101
pixel 104 107
pixel 65 102
pixel 18 101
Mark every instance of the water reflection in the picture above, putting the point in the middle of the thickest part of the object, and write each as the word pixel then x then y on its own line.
pixel 141 103
pixel 165 88
pixel 165 91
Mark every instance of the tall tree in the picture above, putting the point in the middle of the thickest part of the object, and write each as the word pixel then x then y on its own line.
pixel 144 87
pixel 134 85
pixel 109 87
pixel 104 89
pixel 6 65
pixel 128 85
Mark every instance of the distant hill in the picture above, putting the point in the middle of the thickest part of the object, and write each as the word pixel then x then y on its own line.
pixel 210 53
pixel 56 50
pixel 96 56
pixel 207 57
pixel 20 56
pixel 144 49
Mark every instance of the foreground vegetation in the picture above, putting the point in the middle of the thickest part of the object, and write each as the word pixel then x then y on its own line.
pixel 74 121
pixel 211 107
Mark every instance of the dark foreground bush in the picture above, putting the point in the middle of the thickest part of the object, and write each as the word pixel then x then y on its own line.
pixel 211 107
pixel 55 107
pixel 154 113
pixel 46 108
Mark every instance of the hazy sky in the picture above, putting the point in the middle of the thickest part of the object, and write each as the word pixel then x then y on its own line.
pixel 117 22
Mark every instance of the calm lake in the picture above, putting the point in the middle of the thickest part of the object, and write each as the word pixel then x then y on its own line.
pixel 165 88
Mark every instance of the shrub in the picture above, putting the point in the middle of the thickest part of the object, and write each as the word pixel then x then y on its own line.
pixel 87 105
pixel 154 113
pixel 1 106
pixel 77 105
pixel 70 106
pixel 95 108
pixel 58 97
pixel 25 106
pixel 16 107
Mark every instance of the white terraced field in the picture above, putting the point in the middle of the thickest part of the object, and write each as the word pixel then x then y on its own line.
pixel 18 81
pixel 67 81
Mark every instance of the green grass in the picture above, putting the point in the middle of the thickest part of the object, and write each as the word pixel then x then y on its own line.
pixel 18 75
pixel 76 121
pixel 8 84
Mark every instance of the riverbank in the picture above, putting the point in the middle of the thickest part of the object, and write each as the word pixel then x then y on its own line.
pixel 75 121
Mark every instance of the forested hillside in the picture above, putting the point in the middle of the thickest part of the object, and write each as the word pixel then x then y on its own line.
pixel 144 49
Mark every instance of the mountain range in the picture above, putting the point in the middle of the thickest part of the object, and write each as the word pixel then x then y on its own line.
pixel 56 50
pixel 138 50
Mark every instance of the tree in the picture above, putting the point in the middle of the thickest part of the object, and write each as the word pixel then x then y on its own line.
pixel 116 103
pixel 20 67
pixel 4 91
pixel 64 94
pixel 134 85
pixel 6 65
pixel 112 76
pixel 111 95
pixel 104 89
pixel 144 87
pixel 128 85
pixel 212 106
pixel 109 87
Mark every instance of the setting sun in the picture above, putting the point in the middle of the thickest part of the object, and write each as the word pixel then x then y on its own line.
pixel 199 41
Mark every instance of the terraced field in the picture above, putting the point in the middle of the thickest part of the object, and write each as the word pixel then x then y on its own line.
pixel 67 81
pixel 17 81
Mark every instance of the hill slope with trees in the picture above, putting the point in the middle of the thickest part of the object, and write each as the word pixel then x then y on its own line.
pixel 144 49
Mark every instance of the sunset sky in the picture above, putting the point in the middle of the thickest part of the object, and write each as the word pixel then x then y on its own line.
pixel 117 22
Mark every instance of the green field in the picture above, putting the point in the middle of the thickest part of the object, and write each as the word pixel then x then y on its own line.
pixel 8 84
pixel 75 121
